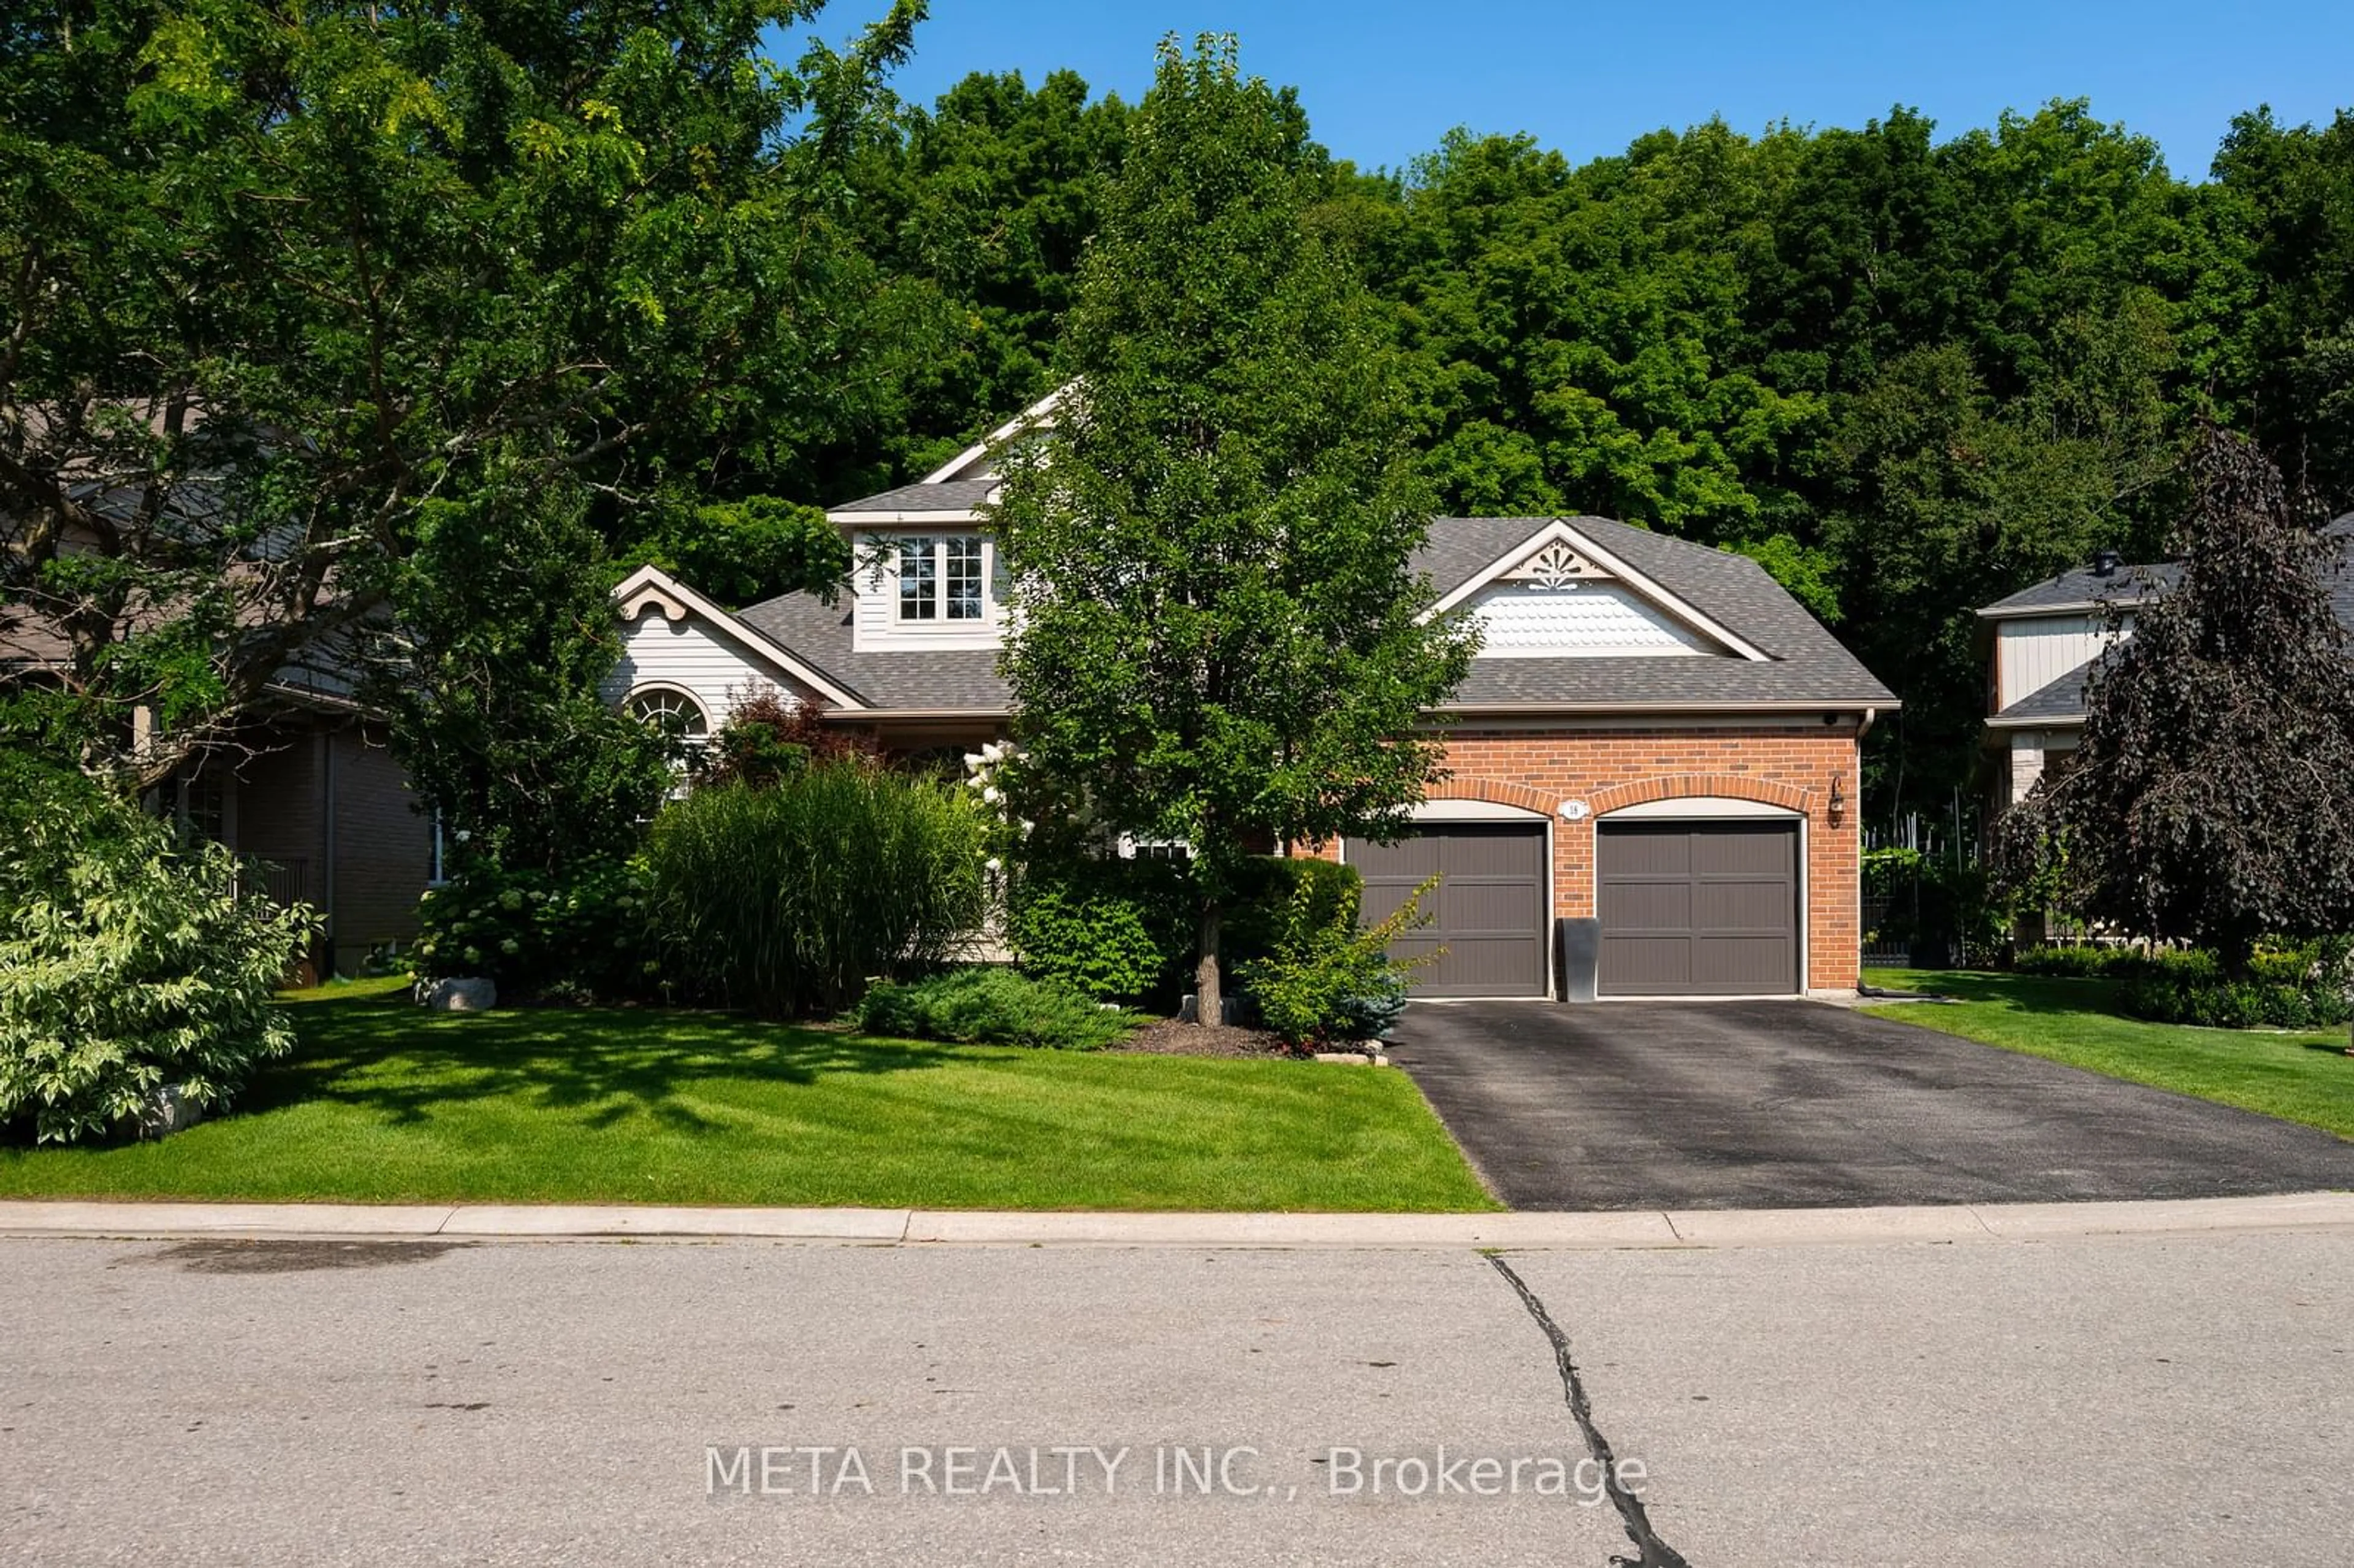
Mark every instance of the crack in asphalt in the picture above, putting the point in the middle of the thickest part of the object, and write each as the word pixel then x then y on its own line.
pixel 1656 1554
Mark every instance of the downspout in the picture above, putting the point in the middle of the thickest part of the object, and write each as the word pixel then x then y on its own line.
pixel 1870 717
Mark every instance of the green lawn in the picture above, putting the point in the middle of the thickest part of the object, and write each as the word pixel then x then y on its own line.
pixel 382 1103
pixel 2298 1077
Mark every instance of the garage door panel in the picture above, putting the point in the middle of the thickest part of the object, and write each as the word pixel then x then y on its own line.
pixel 1763 906
pixel 1504 908
pixel 1489 916
pixel 1743 852
pixel 1646 906
pixel 1697 908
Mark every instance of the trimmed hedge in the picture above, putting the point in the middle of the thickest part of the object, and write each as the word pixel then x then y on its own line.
pixel 2302 986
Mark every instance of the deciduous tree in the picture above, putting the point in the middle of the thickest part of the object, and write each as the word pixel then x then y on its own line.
pixel 1217 631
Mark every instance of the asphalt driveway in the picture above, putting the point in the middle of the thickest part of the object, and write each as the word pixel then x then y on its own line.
pixel 1798 1104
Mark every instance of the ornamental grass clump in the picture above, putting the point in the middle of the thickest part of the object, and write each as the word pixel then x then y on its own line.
pixel 788 900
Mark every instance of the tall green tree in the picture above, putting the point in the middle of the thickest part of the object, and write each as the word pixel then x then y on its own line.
pixel 1218 636
pixel 2211 798
pixel 276 278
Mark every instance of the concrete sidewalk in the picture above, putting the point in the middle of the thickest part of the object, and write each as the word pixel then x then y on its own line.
pixel 1710 1228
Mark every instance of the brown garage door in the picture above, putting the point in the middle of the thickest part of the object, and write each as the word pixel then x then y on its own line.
pixel 1698 908
pixel 1488 909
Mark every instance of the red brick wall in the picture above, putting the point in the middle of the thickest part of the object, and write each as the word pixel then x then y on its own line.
pixel 1791 765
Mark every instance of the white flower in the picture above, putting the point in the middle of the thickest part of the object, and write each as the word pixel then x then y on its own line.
pixel 993 751
pixel 991 794
pixel 465 835
pixel 976 782
pixel 974 759
pixel 995 864
pixel 1027 826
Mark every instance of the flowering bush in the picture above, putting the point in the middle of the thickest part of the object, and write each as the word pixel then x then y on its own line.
pixel 533 933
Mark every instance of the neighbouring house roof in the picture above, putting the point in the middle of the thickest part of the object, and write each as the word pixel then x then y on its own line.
pixel 2060 703
pixel 2082 588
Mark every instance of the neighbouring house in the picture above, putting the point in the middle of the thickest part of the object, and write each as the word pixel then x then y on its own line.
pixel 311 792
pixel 1653 765
pixel 2042 642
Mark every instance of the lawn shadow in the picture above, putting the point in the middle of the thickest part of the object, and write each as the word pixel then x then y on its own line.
pixel 384 1053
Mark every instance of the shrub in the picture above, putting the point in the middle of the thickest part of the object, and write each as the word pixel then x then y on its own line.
pixel 993 1006
pixel 2079 962
pixel 1326 979
pixel 1113 928
pixel 583 934
pixel 1267 906
pixel 789 899
pixel 128 961
pixel 2300 986
pixel 770 737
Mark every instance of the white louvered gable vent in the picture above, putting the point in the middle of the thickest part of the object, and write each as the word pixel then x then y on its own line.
pixel 1576 615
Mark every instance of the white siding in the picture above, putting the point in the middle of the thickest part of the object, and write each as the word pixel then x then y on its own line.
pixel 2030 654
pixel 701 659
pixel 875 600
pixel 1592 620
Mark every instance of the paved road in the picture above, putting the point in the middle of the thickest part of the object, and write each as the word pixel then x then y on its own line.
pixel 2154 1400
pixel 1744 1104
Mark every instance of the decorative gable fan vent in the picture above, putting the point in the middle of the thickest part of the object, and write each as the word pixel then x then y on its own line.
pixel 1555 568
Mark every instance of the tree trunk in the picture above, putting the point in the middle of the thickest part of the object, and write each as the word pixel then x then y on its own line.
pixel 1209 996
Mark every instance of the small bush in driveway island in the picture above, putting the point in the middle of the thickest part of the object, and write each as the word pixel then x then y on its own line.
pixel 1326 980
pixel 128 962
pixel 993 1006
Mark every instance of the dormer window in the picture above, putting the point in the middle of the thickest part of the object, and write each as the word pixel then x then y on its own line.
pixel 940 577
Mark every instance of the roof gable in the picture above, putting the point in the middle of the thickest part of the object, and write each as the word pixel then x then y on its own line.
pixel 651 587
pixel 1558 554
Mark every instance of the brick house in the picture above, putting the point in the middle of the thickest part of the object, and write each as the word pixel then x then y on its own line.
pixel 1652 780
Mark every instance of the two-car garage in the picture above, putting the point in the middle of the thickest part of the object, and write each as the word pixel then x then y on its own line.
pixel 1683 906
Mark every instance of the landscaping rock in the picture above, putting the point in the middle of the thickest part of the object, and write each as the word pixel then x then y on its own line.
pixel 477 994
pixel 1356 1058
pixel 168 1110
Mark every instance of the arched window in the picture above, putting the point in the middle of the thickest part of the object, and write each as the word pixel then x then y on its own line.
pixel 670 711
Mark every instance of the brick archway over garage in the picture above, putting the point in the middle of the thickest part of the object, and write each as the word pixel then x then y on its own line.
pixel 1685 786
pixel 1495 792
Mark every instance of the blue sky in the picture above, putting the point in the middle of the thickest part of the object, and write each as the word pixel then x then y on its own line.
pixel 1382 80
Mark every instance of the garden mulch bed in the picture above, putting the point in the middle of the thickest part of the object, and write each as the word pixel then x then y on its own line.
pixel 1168 1037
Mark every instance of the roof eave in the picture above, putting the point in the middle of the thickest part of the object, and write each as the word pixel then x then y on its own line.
pixel 2071 607
pixel 1775 706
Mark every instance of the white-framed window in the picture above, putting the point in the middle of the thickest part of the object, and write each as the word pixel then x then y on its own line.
pixel 942 577
pixel 670 711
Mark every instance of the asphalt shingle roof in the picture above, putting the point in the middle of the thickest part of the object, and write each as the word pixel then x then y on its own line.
pixel 1807 664
pixel 947 495
pixel 819 634
pixel 2084 586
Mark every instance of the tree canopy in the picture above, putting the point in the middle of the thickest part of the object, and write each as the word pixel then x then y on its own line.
pixel 277 280
pixel 323 262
